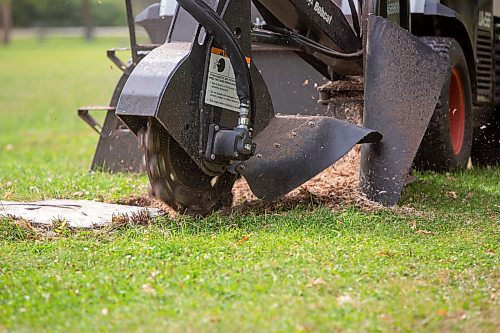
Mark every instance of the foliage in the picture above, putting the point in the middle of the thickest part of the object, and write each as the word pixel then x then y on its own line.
pixel 15 230
pixel 45 149
pixel 55 13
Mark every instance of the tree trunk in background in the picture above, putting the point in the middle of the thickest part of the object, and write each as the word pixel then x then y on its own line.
pixel 6 12
pixel 87 20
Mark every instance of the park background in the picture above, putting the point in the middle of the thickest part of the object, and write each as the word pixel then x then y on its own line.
pixel 429 265
pixel 39 16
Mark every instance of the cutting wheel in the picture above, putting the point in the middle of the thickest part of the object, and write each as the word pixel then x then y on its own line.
pixel 177 180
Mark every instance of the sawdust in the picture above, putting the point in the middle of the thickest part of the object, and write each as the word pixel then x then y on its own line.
pixel 337 188
pixel 147 201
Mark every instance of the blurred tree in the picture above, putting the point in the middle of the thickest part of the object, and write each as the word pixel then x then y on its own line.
pixel 6 18
pixel 87 20
pixel 66 13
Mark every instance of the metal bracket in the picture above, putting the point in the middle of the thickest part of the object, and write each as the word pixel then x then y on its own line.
pixel 91 121
pixel 142 51
pixel 111 53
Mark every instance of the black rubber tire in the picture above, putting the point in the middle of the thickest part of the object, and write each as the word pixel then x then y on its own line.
pixel 437 151
pixel 486 145
pixel 178 181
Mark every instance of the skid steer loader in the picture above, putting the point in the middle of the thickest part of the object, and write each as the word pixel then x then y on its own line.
pixel 221 92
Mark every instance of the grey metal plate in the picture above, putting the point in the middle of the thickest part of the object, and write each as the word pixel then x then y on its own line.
pixel 403 81
pixel 118 149
pixel 293 149
pixel 291 81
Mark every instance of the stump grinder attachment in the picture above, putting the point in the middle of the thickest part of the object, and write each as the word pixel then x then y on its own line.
pixel 207 106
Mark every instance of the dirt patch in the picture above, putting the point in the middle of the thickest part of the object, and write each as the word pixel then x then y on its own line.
pixel 338 184
pixel 337 188
pixel 148 201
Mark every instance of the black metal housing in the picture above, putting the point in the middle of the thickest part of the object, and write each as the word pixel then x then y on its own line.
pixel 402 79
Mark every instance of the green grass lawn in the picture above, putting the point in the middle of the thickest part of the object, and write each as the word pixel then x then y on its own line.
pixel 45 148
pixel 430 267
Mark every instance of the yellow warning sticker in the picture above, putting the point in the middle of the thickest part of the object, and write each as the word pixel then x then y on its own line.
pixel 221 83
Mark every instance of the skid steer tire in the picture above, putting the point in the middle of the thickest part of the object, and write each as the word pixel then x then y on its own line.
pixel 447 142
pixel 486 145
pixel 177 180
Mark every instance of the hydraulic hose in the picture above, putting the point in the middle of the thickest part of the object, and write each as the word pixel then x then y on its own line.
pixel 309 43
pixel 214 25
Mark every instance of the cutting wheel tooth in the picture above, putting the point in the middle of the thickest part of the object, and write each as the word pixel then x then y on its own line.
pixel 143 163
pixel 141 138
pixel 157 190
pixel 214 181
pixel 153 167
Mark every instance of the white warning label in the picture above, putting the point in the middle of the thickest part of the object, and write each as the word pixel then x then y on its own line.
pixel 221 84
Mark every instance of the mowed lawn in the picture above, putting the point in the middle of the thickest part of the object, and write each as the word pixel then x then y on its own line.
pixel 431 266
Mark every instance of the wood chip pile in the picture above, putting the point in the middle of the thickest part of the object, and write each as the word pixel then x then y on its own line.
pixel 337 187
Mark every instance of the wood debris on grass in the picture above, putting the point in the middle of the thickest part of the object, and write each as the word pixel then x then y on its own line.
pixel 30 229
pixel 141 218
pixel 28 226
pixel 336 188
pixel 149 202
